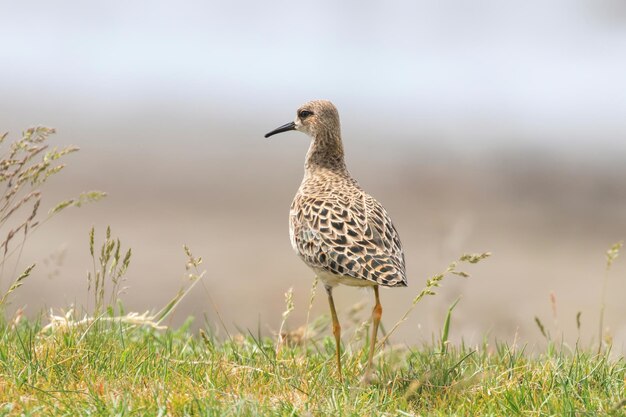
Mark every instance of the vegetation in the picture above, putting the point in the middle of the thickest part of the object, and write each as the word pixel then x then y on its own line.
pixel 106 361
pixel 26 165
pixel 116 363
pixel 122 368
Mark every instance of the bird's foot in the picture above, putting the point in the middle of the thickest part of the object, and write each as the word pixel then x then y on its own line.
pixel 369 378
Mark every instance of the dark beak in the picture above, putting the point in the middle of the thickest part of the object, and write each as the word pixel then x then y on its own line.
pixel 283 128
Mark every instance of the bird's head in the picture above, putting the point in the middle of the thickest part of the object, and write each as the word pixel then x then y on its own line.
pixel 313 118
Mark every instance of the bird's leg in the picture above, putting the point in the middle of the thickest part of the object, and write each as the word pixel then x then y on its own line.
pixel 336 327
pixel 376 315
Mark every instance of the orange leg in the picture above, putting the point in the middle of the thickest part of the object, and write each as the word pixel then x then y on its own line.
pixel 336 328
pixel 376 315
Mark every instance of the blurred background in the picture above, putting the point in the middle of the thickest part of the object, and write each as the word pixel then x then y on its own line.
pixel 482 126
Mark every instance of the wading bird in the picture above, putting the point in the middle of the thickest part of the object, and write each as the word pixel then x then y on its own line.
pixel 342 233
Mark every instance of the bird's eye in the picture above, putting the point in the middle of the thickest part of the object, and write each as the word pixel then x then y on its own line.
pixel 304 114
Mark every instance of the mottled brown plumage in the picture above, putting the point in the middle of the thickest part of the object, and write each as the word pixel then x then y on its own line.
pixel 339 230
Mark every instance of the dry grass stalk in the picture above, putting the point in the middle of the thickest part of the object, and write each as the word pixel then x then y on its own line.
pixel 25 165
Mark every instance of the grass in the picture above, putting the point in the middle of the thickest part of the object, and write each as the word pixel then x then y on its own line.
pixel 117 368
pixel 111 362
pixel 26 165
pixel 106 361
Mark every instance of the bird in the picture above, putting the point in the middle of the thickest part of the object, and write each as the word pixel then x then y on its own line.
pixel 341 232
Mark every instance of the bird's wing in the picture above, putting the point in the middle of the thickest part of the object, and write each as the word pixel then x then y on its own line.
pixel 348 235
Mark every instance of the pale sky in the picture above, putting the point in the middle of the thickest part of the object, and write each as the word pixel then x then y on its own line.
pixel 548 71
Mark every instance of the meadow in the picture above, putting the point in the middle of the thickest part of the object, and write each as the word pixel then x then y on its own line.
pixel 99 359
pixel 117 368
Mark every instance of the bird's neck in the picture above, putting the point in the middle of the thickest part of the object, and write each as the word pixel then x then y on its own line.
pixel 326 153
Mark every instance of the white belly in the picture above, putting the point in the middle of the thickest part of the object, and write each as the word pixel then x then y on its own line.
pixel 333 280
